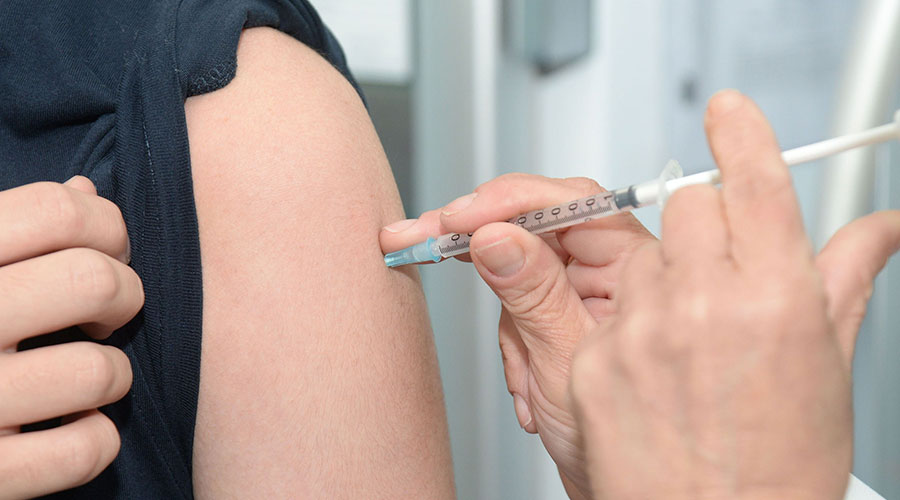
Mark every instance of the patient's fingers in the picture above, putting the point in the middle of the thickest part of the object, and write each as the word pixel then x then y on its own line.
pixel 56 380
pixel 76 286
pixel 44 217
pixel 37 463
pixel 81 183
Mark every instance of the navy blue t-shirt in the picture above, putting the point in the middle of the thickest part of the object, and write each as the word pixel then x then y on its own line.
pixel 97 88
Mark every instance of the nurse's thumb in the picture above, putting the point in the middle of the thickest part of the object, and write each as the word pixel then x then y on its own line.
pixel 531 282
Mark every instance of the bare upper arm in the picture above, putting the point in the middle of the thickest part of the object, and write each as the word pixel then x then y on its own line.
pixel 318 372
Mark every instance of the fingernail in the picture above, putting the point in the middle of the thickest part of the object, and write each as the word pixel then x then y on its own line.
pixel 400 225
pixel 503 258
pixel 724 101
pixel 523 412
pixel 458 204
pixel 128 250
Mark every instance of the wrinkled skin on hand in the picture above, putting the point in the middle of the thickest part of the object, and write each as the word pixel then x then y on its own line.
pixel 538 340
pixel 713 364
pixel 727 371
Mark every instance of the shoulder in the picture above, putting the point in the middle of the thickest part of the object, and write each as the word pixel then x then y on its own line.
pixel 207 33
pixel 282 130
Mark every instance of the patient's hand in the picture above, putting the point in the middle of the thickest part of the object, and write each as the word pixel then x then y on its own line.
pixel 63 251
pixel 537 338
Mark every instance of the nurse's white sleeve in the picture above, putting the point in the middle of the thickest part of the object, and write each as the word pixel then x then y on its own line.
pixel 858 490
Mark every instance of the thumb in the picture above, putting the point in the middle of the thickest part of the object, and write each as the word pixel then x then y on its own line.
pixel 531 282
pixel 849 264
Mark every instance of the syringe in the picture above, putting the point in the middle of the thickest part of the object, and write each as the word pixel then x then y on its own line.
pixel 630 197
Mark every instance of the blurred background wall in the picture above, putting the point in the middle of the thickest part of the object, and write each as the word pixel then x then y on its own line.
pixel 464 90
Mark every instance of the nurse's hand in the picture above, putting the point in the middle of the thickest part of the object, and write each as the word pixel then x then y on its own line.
pixel 554 289
pixel 63 254
pixel 727 371
pixel 556 294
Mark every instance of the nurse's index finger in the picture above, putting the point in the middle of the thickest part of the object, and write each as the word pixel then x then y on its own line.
pixel 514 194
pixel 761 207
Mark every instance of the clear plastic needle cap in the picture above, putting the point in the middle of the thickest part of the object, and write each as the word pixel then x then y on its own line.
pixel 422 252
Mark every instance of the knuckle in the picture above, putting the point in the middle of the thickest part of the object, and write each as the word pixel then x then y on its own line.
pixel 639 324
pixel 507 335
pixel 93 277
pixel 514 379
pixel 113 213
pixel 694 306
pixel 507 355
pixel 109 440
pixel 431 215
pixel 513 178
pixel 585 185
pixel 130 290
pixel 514 370
pixel 507 186
pixel 139 289
pixel 694 309
pixel 95 373
pixel 116 223
pixel 636 336
pixel 59 205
